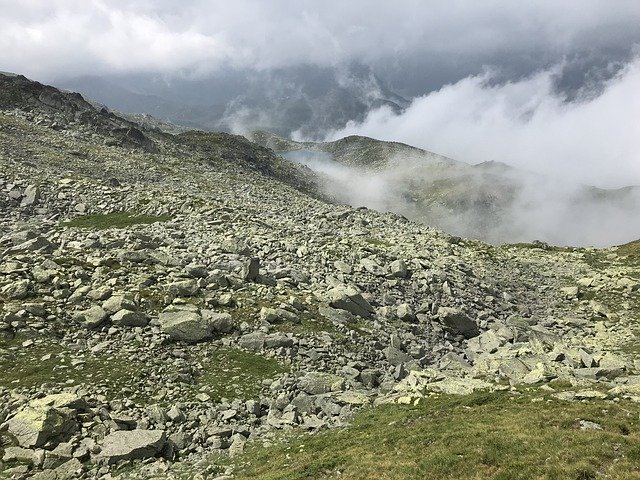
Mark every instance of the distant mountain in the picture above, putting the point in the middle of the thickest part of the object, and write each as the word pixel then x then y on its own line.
pixel 311 100
pixel 490 201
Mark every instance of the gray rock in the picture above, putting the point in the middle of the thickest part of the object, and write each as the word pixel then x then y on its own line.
pixel 92 317
pixel 372 266
pixel 343 267
pixel 31 196
pixel 176 415
pixel 278 340
pixel 34 245
pixel 275 315
pixel 20 455
pixel 253 341
pixel 315 383
pixel 405 313
pixel 236 246
pixel 127 318
pixel 40 423
pixel 131 445
pixel 488 342
pixel 220 322
pixel 349 299
pixel 458 322
pixel 16 290
pixel 184 288
pixel 337 316
pixel 117 303
pixel 186 326
pixel 395 356
pixel 69 470
pixel 399 269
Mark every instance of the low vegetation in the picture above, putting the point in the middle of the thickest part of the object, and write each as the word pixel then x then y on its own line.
pixel 502 435
pixel 233 373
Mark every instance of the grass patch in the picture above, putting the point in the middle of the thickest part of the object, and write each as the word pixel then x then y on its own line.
pixel 629 254
pixel 234 373
pixel 48 362
pixel 114 220
pixel 485 435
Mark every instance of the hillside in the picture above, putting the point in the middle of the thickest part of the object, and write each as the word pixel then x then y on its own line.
pixel 194 306
pixel 490 201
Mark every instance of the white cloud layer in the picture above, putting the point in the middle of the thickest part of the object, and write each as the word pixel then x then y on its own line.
pixel 48 38
pixel 525 124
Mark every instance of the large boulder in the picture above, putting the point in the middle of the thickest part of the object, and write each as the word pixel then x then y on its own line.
pixel 457 322
pixel 184 288
pixel 118 302
pixel 92 317
pixel 185 325
pixel 17 290
pixel 45 420
pixel 131 445
pixel 127 318
pixel 220 322
pixel 253 341
pixel 315 383
pixel 31 196
pixel 349 299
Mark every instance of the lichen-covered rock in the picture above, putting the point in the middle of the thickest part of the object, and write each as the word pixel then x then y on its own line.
pixel 185 325
pixel 127 318
pixel 315 383
pixel 43 421
pixel 131 445
pixel 349 299
pixel 92 317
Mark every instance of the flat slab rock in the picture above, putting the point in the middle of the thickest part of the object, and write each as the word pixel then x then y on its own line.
pixel 131 445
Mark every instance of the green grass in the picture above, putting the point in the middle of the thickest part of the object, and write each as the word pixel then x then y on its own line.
pixel 479 436
pixel 629 254
pixel 48 362
pixel 114 220
pixel 234 373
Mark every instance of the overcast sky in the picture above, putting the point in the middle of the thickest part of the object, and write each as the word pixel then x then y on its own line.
pixel 49 38
pixel 483 75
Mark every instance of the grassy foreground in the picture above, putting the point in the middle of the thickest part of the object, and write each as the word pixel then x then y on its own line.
pixel 498 435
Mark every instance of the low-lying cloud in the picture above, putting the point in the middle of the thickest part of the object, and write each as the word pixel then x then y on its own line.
pixel 488 202
pixel 526 124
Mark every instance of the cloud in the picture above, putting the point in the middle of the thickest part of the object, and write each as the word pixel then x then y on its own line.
pixel 52 38
pixel 527 124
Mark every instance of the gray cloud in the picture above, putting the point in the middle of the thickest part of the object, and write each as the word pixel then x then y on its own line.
pixel 525 123
pixel 47 39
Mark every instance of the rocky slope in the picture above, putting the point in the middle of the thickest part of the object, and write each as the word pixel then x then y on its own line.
pixel 164 298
